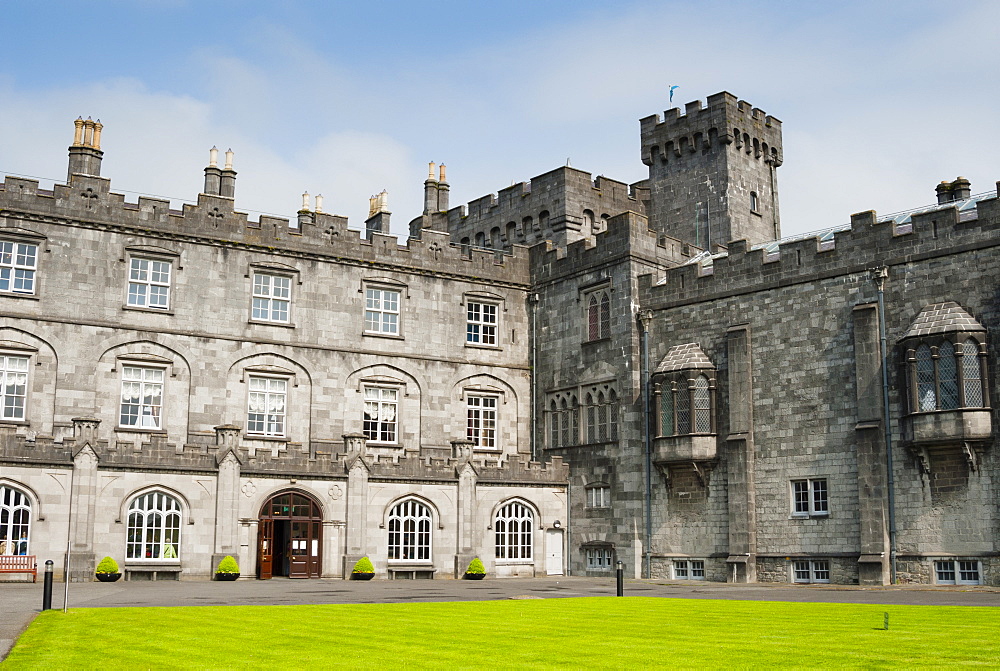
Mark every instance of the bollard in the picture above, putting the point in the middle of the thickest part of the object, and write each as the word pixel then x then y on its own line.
pixel 47 586
pixel 620 575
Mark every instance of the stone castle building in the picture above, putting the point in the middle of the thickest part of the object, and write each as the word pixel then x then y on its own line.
pixel 569 373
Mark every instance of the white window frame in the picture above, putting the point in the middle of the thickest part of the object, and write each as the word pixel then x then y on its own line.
pixel 149 415
pixel 481 411
pixel 689 569
pixel 599 496
pixel 273 420
pixel 410 532
pixel 272 297
pixel 382 310
pixel 18 265
pixel 154 523
pixel 149 277
pixel 810 571
pixel 599 558
pixel 14 386
pixel 15 525
pixel 810 497
pixel 514 527
pixel 962 572
pixel 383 398
pixel 482 326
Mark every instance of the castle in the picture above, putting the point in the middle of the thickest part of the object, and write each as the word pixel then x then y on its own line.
pixel 571 373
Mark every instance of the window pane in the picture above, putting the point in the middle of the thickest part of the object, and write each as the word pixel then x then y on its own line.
pixel 947 377
pixel 926 394
pixel 972 374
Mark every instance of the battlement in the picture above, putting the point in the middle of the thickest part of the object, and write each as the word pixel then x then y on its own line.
pixel 724 121
pixel 869 241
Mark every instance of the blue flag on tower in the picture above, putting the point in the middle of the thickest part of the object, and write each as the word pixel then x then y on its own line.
pixel 672 92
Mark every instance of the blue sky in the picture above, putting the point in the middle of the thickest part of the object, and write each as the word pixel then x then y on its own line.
pixel 879 100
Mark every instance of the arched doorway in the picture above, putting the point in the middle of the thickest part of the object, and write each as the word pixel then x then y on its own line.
pixel 289 541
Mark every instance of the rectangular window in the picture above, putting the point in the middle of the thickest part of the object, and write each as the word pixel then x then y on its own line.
pixel 810 498
pixel 815 570
pixel 13 385
pixel 382 311
pixel 598 559
pixel 266 404
pixel 142 397
pixel 272 295
pixel 18 261
pixel 950 572
pixel 598 497
pixel 149 283
pixel 380 414
pixel 481 328
pixel 482 421
pixel 693 569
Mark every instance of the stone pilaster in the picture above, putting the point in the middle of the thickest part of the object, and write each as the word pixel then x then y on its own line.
pixel 466 505
pixel 357 499
pixel 227 493
pixel 742 560
pixel 873 565
pixel 84 499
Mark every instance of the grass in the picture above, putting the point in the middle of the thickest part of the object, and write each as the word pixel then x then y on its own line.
pixel 606 632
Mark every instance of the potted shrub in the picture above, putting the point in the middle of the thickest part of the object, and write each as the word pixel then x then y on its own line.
pixel 228 569
pixel 107 570
pixel 363 570
pixel 476 570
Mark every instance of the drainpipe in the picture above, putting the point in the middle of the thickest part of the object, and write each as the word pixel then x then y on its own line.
pixel 879 276
pixel 69 542
pixel 645 318
pixel 533 301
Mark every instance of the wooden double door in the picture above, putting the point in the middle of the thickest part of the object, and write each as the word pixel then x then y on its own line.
pixel 289 537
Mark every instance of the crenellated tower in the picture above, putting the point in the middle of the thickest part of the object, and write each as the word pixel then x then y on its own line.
pixel 712 172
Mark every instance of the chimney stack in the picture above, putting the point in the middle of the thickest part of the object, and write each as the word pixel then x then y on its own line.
pixel 378 215
pixel 443 191
pixel 85 153
pixel 227 181
pixel 213 176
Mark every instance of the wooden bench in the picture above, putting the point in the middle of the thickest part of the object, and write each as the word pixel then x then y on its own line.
pixel 19 564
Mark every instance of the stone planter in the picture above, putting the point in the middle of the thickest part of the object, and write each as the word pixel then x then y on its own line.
pixel 226 577
pixel 362 576
pixel 474 576
pixel 108 577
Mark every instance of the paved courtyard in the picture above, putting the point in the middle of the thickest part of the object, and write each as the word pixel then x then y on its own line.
pixel 22 601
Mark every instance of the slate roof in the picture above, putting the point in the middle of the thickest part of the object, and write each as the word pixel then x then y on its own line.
pixel 942 318
pixel 684 357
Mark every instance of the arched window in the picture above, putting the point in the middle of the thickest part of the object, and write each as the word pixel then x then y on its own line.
pixel 588 223
pixel 410 532
pixel 15 521
pixel 601 414
pixel 553 424
pixel 480 239
pixel 514 525
pixel 511 233
pixel 598 315
pixel 154 527
pixel 495 242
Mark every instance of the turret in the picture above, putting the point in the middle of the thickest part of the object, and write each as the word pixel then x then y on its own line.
pixel 85 153
pixel 712 172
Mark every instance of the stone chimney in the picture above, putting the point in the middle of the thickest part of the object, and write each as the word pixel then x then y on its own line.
pixel 85 153
pixel 949 192
pixel 227 180
pixel 213 176
pixel 378 215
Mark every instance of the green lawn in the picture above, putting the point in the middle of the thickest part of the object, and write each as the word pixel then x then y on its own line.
pixel 608 632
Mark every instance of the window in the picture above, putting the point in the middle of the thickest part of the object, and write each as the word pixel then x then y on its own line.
pixel 15 522
pixel 380 414
pixel 410 532
pixel 482 421
pixel 598 314
pixel 564 420
pixel 599 559
pixel 382 311
pixel 689 569
pixel 950 572
pixel 813 570
pixel 272 295
pixel 13 386
pixel 154 527
pixel 481 327
pixel 810 498
pixel 18 261
pixel 602 414
pixel 754 205
pixel 266 403
pixel 686 404
pixel 149 283
pixel 142 397
pixel 598 496
pixel 514 525
pixel 935 371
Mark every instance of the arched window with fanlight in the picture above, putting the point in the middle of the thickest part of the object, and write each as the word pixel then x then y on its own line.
pixel 15 522
pixel 154 527
pixel 514 526
pixel 410 532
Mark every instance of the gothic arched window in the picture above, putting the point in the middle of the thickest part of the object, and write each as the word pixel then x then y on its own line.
pixel 410 531
pixel 514 526
pixel 154 527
